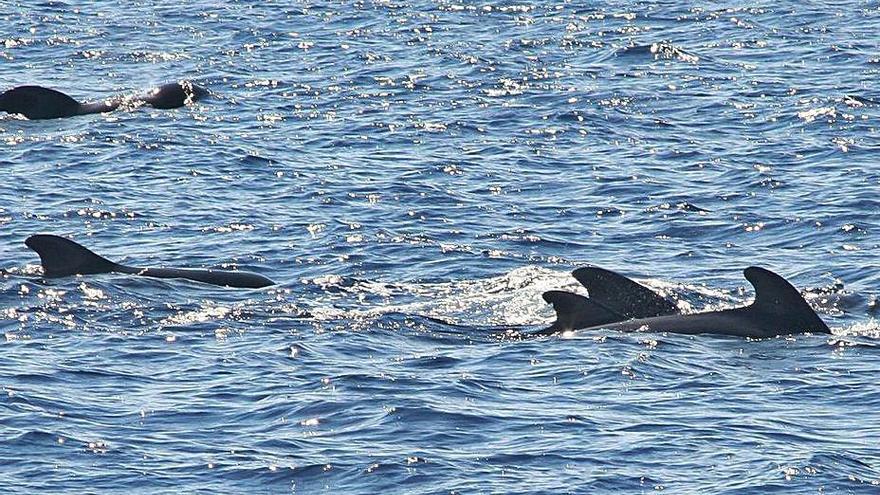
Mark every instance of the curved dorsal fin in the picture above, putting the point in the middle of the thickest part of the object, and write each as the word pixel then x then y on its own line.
pixel 779 300
pixel 37 102
pixel 574 311
pixel 62 257
pixel 623 295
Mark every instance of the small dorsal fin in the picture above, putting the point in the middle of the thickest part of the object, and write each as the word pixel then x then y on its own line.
pixel 37 102
pixel 779 300
pixel 62 257
pixel 623 295
pixel 574 311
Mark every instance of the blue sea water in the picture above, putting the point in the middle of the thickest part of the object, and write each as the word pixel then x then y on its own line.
pixel 415 174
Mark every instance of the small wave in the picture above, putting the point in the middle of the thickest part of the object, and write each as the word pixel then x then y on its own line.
pixel 662 50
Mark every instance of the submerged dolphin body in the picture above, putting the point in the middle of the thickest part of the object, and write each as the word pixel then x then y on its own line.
pixel 62 257
pixel 37 102
pixel 618 303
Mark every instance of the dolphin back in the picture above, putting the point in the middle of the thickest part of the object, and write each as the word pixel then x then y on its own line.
pixel 37 102
pixel 781 304
pixel 223 278
pixel 618 303
pixel 175 95
pixel 613 298
pixel 62 257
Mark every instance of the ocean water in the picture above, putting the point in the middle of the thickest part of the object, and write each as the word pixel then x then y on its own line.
pixel 414 174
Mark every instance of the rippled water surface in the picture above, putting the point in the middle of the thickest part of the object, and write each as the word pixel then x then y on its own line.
pixel 415 174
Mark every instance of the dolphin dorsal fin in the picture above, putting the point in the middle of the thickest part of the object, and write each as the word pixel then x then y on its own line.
pixel 37 102
pixel 574 311
pixel 779 300
pixel 623 295
pixel 62 257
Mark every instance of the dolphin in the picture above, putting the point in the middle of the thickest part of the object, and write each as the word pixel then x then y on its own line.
pixel 37 102
pixel 62 257
pixel 618 303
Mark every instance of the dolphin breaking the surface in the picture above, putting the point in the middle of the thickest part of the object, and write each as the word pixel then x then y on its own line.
pixel 618 303
pixel 62 257
pixel 37 102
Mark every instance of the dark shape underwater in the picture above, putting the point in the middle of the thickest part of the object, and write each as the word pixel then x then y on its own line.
pixel 37 102
pixel 618 303
pixel 62 257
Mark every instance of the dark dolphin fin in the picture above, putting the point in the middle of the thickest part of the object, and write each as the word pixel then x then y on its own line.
pixel 623 295
pixel 175 95
pixel 574 311
pixel 781 303
pixel 62 257
pixel 37 102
